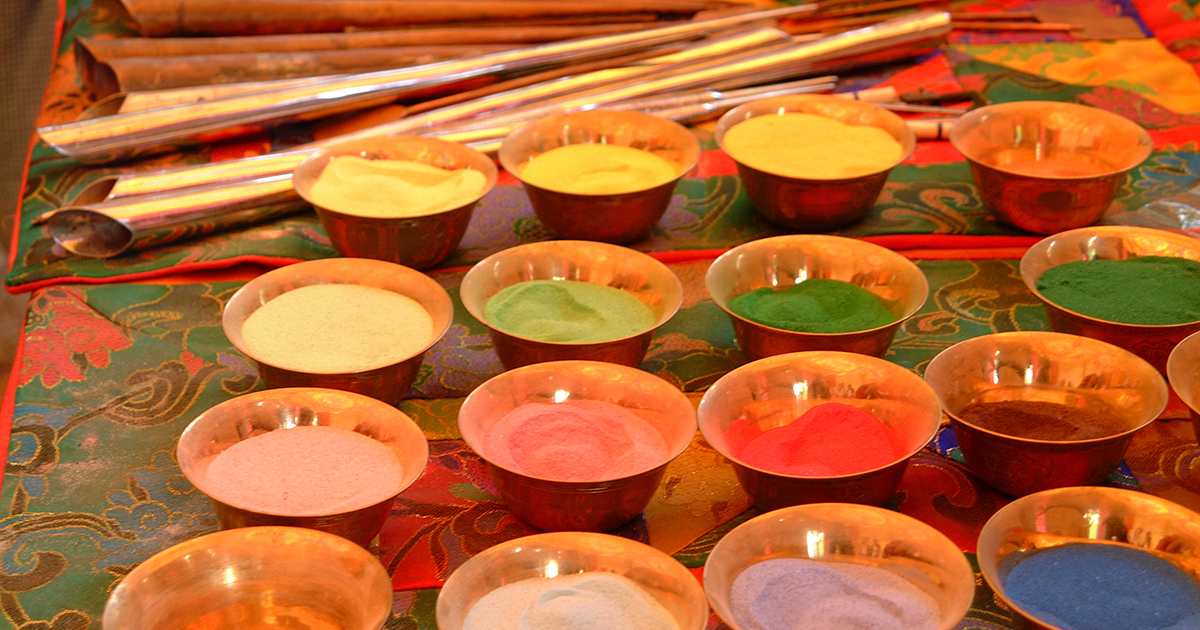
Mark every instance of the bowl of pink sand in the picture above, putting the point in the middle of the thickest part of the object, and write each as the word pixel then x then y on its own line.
pixel 571 300
pixel 1036 410
pixel 303 457
pixel 815 292
pixel 820 426
pixel 564 580
pixel 577 445
pixel 353 324
pixel 838 566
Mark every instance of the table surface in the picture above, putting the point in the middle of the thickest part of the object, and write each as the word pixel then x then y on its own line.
pixel 118 355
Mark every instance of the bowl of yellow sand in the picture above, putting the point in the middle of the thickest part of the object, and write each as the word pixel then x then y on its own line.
pixel 813 163
pixel 600 175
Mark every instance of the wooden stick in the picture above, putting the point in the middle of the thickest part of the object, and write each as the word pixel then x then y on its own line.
pixel 875 7
pixel 987 25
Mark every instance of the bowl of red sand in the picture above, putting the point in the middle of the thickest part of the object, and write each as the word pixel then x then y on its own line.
pixel 600 175
pixel 303 457
pixel 1046 167
pixel 1040 410
pixel 577 445
pixel 838 566
pixel 566 580
pixel 815 292
pixel 820 426
pixel 254 577
pixel 403 199
pixel 1183 373
pixel 571 300
pixel 1136 288
pixel 811 162
pixel 353 324
pixel 1094 557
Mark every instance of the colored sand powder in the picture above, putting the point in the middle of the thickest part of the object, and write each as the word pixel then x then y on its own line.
pixel 1102 587
pixel 575 440
pixel 393 188
pixel 567 311
pixel 1036 420
pixel 814 306
pixel 335 328
pixel 1152 290
pixel 581 601
pixel 829 439
pixel 304 471
pixel 597 169
pixel 808 146
pixel 802 594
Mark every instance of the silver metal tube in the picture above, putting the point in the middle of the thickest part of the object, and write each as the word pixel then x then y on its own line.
pixel 124 135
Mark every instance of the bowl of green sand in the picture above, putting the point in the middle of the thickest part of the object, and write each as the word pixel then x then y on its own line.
pixel 1136 288
pixel 571 300
pixel 815 292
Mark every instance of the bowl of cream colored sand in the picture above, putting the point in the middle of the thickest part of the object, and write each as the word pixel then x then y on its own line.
pixel 819 426
pixel 1152 342
pixel 838 566
pixel 577 445
pixel 403 199
pixel 352 324
pixel 811 162
pixel 571 300
pixel 253 577
pixel 886 290
pixel 303 457
pixel 599 580
pixel 600 175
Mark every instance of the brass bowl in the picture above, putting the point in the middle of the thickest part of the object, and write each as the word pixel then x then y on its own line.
pixel 995 137
pixel 419 242
pixel 1046 367
pixel 1183 373
pixel 634 272
pixel 837 532
pixel 568 553
pixel 1090 515
pixel 1152 343
pixel 250 577
pixel 782 261
pixel 815 205
pixel 389 383
pixel 618 218
pixel 774 391
pixel 250 415
pixel 598 505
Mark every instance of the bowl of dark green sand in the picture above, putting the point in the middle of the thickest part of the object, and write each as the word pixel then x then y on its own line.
pixel 571 300
pixel 1136 288
pixel 1183 373
pixel 1039 410
pixel 1094 557
pixel 815 292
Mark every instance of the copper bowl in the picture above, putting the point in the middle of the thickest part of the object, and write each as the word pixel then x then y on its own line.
pixel 773 392
pixel 1084 153
pixel 815 205
pixel 837 532
pixel 569 553
pixel 1183 373
pixel 611 265
pixel 250 415
pixel 783 261
pixel 1152 343
pixel 419 242
pixel 1046 367
pixel 598 505
pixel 249 578
pixel 617 218
pixel 389 383
pixel 1088 515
